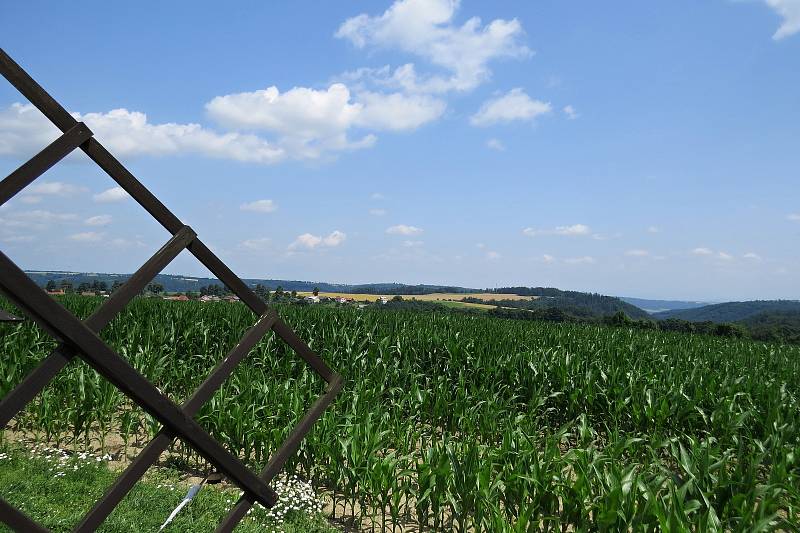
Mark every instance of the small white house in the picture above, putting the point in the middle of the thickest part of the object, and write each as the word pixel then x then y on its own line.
pixel 312 299
pixel 383 299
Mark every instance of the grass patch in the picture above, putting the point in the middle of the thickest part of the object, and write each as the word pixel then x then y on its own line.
pixel 56 489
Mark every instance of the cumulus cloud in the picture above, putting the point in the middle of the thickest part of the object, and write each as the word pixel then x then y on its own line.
pixel 403 229
pixel 23 129
pixel 34 193
pixel 309 122
pixel 37 219
pixel 425 29
pixel 256 245
pixel 725 256
pixel 547 258
pixel 54 188
pixel 571 113
pixel 789 10
pixel 309 242
pixel 87 236
pixel 702 251
pixel 306 123
pixel 653 229
pixel 99 220
pixel 114 194
pixel 752 256
pixel 495 144
pixel 514 105
pixel 573 230
pixel 259 206
pixel 396 111
pixel 794 217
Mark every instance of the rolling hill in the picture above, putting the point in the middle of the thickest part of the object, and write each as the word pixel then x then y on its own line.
pixel 577 304
pixel 730 311
pixel 657 306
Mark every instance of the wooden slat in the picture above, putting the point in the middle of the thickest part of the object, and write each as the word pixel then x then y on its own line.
pixel 17 520
pixel 80 339
pixel 5 316
pixel 278 460
pixel 41 162
pixel 150 454
pixel 34 93
pixel 38 378
pixel 120 373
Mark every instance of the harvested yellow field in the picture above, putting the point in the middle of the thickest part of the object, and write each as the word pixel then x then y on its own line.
pixel 433 297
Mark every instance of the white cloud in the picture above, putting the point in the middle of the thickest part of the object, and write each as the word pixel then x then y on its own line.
pixel 725 256
pixel 23 129
pixel 402 229
pixel 99 220
pixel 377 212
pixel 495 144
pixel 547 258
pixel 794 217
pixel 119 242
pixel 789 10
pixel 491 255
pixel 54 188
pixel 37 220
pixel 306 240
pixel 514 105
pixel 702 251
pixel 571 113
pixel 259 206
pixel 653 229
pixel 309 122
pixel 396 111
pixel 752 256
pixel 573 230
pixel 309 241
pixel 637 253
pixel 87 236
pixel 425 28
pixel 377 196
pixel 256 245
pixel 412 244
pixel 334 239
pixel 12 239
pixel 585 260
pixel 114 194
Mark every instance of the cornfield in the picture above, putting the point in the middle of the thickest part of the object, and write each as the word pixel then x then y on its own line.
pixel 460 422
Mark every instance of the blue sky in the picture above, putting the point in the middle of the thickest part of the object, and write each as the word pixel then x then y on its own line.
pixel 632 148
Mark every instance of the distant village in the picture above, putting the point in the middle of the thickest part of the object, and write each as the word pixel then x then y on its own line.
pixel 208 293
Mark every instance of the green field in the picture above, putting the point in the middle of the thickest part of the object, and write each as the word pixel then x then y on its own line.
pixel 461 422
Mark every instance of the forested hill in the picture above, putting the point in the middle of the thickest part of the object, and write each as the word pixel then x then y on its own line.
pixel 578 304
pixel 182 283
pixel 656 306
pixel 574 303
pixel 731 311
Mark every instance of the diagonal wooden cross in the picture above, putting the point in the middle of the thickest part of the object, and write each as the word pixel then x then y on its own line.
pixel 80 339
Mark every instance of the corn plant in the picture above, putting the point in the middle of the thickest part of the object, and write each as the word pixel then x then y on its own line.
pixel 461 422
